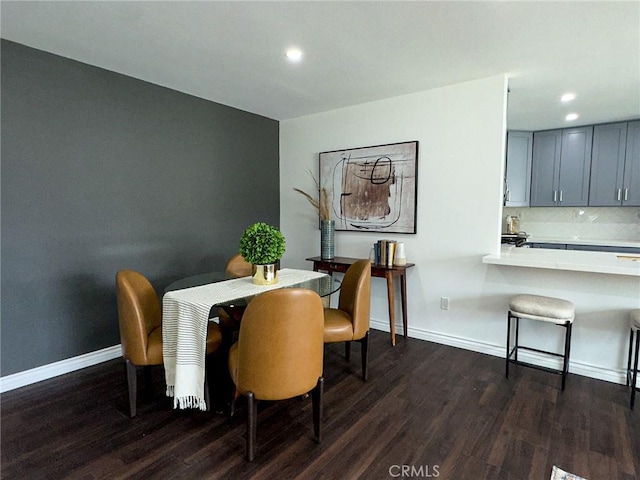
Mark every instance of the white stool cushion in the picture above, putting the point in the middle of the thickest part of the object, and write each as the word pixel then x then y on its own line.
pixel 545 309
pixel 635 319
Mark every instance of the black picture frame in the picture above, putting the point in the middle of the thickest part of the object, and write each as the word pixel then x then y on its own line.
pixel 372 189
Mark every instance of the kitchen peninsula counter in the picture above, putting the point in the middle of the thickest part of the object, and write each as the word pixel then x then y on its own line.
pixel 573 260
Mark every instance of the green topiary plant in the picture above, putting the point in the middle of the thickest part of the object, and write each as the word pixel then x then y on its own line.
pixel 262 244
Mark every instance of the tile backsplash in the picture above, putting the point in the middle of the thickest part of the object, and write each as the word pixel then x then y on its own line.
pixel 593 223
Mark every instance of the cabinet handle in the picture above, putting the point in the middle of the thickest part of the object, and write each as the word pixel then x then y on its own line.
pixel 619 197
pixel 555 196
pixel 560 196
pixel 626 194
pixel 508 195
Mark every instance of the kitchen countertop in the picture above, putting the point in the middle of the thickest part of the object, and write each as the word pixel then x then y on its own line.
pixel 584 241
pixel 573 260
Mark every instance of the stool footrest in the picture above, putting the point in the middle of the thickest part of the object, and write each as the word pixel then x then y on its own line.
pixel 533 365
pixel 522 347
pixel 537 367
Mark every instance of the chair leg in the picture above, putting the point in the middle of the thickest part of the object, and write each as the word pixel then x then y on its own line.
pixel 506 373
pixel 629 357
pixel 635 370
pixel 316 400
pixel 364 342
pixel 515 354
pixel 252 414
pixel 347 351
pixel 132 383
pixel 567 351
pixel 207 397
pixel 235 394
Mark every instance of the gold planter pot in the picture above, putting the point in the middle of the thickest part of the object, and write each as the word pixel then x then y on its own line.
pixel 264 274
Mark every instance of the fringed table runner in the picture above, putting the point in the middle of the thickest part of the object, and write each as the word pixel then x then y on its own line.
pixel 185 314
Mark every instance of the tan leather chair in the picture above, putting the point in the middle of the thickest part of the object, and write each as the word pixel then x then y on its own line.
pixel 350 321
pixel 236 267
pixel 140 319
pixel 279 353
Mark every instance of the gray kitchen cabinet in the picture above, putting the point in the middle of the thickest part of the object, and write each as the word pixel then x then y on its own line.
pixel 588 248
pixel 552 246
pixel 631 182
pixel 615 169
pixel 604 248
pixel 561 167
pixel 545 168
pixel 518 168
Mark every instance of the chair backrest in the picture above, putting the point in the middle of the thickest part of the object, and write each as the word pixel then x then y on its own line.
pixel 355 296
pixel 237 267
pixel 139 313
pixel 281 343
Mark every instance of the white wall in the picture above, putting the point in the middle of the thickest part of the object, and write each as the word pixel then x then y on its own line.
pixel 461 130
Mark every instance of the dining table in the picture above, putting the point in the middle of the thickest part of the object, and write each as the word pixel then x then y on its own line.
pixel 190 303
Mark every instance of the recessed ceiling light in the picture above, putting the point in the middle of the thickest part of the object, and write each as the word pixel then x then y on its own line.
pixel 567 97
pixel 571 117
pixel 293 54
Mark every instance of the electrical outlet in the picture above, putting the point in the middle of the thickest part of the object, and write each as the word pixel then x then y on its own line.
pixel 444 303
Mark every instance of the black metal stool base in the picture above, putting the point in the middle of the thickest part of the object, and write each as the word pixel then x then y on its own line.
pixel 512 353
pixel 632 373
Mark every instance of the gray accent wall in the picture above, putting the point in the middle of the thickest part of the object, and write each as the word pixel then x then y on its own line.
pixel 102 172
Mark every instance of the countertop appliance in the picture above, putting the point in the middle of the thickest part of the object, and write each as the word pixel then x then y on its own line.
pixel 517 239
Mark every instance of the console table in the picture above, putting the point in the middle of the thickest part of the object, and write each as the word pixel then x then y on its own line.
pixel 341 264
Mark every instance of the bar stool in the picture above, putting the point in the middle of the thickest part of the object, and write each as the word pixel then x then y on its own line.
pixel 632 374
pixel 543 309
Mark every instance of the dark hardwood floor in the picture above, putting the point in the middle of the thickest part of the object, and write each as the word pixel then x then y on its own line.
pixel 439 411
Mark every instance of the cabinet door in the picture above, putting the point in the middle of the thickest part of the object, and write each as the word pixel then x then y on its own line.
pixel 602 248
pixel 631 183
pixel 518 171
pixel 607 165
pixel 552 246
pixel 545 168
pixel 575 167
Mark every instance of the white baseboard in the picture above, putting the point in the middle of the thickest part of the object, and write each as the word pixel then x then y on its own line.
pixel 578 368
pixel 21 379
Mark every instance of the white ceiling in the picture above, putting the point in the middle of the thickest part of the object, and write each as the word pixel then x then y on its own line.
pixel 233 52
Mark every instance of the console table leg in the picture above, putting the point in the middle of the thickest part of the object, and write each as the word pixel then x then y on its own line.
pixel 341 264
pixel 392 316
pixel 403 291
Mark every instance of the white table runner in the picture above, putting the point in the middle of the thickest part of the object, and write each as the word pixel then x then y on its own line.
pixel 185 314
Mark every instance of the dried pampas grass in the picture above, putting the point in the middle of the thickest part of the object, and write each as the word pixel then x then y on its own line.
pixel 321 204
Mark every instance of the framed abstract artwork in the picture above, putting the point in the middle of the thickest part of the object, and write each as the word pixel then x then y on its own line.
pixel 372 189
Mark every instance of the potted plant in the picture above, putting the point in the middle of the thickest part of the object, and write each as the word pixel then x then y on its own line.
pixel 263 246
